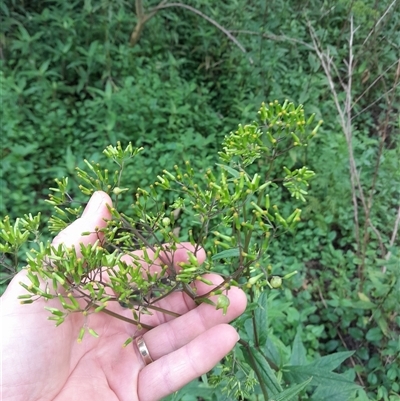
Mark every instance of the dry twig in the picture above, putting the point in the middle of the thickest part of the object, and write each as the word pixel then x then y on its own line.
pixel 344 110
pixel 143 18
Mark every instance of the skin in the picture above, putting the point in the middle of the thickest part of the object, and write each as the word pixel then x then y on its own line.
pixel 44 362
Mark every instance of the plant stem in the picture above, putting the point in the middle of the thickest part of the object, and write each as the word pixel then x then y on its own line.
pixel 253 364
pixel 165 311
pixel 253 319
pixel 125 319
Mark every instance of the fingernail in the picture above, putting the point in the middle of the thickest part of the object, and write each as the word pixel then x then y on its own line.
pixel 238 337
pixel 94 204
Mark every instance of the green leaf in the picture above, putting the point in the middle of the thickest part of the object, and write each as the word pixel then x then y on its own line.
pixel 109 90
pixel 268 376
pixel 70 160
pixel 273 352
pixel 230 170
pixel 363 305
pixel 321 377
pixel 291 392
pixel 336 393
pixel 331 362
pixel 206 301
pixel 298 356
pixel 261 318
pixel 374 334
pixel 229 253
pixel 383 325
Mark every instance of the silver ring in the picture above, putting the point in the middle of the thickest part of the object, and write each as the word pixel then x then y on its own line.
pixel 144 352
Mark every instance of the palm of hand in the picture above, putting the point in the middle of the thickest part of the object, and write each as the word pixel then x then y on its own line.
pixel 43 362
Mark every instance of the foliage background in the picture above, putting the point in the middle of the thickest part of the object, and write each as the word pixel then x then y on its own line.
pixel 71 84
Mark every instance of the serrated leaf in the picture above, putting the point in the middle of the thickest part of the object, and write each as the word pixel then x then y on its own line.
pixel 321 377
pixel 331 362
pixel 298 356
pixel 291 392
pixel 248 329
pixel 268 376
pixel 261 318
pixel 229 253
pixel 273 352
pixel 336 393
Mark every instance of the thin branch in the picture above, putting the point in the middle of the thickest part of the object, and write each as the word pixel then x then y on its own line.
pixel 393 237
pixel 326 63
pixel 379 21
pixel 377 233
pixel 207 18
pixel 348 132
pixel 142 18
pixel 383 137
pixel 345 121
pixel 321 297
pixel 139 9
pixel 351 358
pixel 376 101
pixel 375 81
pixel 121 317
pixel 332 64
pixel 346 118
pixel 395 229
pixel 161 310
pixel 280 38
pixel 254 365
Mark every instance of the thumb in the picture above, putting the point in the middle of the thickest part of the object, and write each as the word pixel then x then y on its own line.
pixel 94 217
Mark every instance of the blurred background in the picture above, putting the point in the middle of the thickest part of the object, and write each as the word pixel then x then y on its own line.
pixel 175 78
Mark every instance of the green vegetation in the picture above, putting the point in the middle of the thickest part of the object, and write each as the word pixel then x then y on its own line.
pixel 78 76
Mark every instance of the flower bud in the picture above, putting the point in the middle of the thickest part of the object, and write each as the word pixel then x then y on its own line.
pixel 223 303
pixel 254 279
pixel 276 282
pixel 118 190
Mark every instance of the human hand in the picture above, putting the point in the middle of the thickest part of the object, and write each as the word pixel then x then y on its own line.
pixel 44 362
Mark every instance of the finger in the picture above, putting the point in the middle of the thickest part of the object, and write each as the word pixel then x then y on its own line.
pixel 172 257
pixel 177 256
pixel 181 303
pixel 94 217
pixel 167 257
pixel 173 371
pixel 174 334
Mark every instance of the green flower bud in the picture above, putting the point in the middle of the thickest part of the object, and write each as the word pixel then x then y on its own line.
pixel 166 221
pixel 223 303
pixel 254 279
pixel 118 191
pixel 276 282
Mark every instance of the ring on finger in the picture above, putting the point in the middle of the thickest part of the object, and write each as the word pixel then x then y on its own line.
pixel 144 352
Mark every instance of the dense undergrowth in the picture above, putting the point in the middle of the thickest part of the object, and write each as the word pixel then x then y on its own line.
pixel 71 83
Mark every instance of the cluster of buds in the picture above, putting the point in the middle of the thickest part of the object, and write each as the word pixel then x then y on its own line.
pixel 230 208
